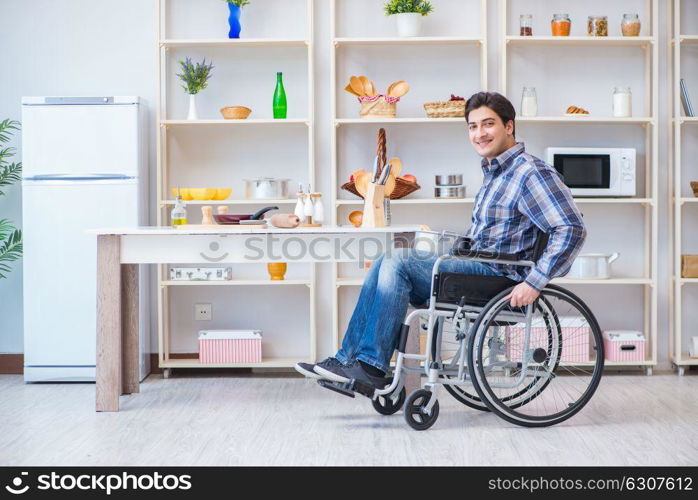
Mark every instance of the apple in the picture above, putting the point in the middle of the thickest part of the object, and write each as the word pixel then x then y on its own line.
pixel 409 178
pixel 351 178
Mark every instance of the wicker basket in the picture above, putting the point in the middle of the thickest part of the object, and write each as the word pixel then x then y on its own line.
pixel 379 106
pixel 402 188
pixel 694 187
pixel 445 109
pixel 235 112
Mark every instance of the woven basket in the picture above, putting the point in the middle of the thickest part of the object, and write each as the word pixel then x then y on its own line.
pixel 445 109
pixel 235 112
pixel 694 187
pixel 402 188
pixel 379 106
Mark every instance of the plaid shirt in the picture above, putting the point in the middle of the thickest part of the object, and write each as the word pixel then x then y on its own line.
pixel 519 195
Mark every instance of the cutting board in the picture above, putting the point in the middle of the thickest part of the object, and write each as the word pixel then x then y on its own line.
pixel 222 227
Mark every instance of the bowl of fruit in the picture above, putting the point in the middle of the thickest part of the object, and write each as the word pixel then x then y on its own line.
pixel 453 108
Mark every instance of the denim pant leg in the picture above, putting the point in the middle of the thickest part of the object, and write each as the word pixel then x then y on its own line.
pixel 403 276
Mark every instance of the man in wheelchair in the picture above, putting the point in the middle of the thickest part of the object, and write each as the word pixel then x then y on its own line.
pixel 521 196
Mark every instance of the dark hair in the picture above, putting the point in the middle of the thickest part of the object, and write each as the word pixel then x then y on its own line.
pixel 496 102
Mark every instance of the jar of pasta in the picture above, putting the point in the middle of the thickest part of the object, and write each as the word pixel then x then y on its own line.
pixel 630 26
pixel 526 25
pixel 561 25
pixel 597 26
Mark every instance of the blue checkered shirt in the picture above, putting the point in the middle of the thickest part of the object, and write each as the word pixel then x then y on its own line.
pixel 519 195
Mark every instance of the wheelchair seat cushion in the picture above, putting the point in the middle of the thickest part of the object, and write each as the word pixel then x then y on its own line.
pixel 477 289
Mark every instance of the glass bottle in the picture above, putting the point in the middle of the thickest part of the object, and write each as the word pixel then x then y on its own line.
pixel 529 102
pixel 279 98
pixel 560 25
pixel 318 209
pixel 630 26
pixel 622 102
pixel 179 212
pixel 300 204
pixel 526 25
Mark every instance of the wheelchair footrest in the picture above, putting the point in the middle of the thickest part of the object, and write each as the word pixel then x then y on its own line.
pixel 343 389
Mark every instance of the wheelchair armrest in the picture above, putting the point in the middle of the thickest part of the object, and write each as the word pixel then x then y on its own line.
pixel 483 254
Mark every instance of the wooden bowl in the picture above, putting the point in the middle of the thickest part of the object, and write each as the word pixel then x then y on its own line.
pixel 235 112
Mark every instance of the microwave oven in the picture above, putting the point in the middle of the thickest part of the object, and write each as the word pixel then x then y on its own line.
pixel 596 171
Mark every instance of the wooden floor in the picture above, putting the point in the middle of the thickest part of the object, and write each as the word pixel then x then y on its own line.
pixel 259 420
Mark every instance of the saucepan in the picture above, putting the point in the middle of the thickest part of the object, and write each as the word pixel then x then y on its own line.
pixel 592 266
pixel 236 218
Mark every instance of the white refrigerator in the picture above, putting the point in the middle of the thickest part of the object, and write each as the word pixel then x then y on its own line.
pixel 83 168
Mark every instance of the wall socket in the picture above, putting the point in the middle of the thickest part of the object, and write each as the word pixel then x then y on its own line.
pixel 202 312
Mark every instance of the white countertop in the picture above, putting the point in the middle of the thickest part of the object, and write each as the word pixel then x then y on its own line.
pixel 167 230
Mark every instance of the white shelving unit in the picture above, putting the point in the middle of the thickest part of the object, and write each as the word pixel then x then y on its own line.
pixel 337 43
pixel 679 357
pixel 165 124
pixel 649 45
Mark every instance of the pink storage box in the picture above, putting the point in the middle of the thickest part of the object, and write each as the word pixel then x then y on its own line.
pixel 624 345
pixel 575 339
pixel 230 346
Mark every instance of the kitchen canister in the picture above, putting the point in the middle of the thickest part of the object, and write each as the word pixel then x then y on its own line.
pixel 622 102
pixel 624 345
pixel 592 266
pixel 230 346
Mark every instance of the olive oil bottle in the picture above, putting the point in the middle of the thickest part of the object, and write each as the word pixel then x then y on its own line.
pixel 179 212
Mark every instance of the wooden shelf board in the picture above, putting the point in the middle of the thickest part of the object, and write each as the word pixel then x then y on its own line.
pixel 684 360
pixel 581 40
pixel 239 123
pixel 239 42
pixel 688 200
pixel 688 119
pixel 266 363
pixel 235 283
pixel 582 119
pixel 419 40
pixel 373 121
pixel 688 39
pixel 437 201
pixel 229 201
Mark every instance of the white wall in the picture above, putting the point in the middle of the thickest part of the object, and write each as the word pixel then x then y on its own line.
pixel 82 47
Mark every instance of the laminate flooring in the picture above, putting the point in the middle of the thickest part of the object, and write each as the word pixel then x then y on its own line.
pixel 229 419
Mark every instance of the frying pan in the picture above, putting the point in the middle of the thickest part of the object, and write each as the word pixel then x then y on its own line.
pixel 236 218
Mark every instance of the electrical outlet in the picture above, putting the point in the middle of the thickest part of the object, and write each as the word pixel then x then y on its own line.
pixel 202 312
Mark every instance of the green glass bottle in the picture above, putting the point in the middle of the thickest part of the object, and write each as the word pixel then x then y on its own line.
pixel 279 98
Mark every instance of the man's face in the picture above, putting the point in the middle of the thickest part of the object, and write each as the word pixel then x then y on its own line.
pixel 489 136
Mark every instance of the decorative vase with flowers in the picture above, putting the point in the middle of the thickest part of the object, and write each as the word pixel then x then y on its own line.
pixel 235 8
pixel 194 79
pixel 408 15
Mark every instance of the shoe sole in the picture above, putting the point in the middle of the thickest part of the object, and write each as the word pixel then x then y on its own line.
pixel 326 374
pixel 306 373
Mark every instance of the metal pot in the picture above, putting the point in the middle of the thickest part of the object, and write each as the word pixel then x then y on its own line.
pixel 449 192
pixel 266 188
pixel 449 180
pixel 592 266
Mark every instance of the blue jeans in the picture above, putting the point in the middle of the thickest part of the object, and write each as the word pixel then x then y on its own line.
pixel 405 275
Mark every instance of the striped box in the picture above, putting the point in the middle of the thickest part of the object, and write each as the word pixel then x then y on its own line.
pixel 230 346
pixel 575 339
pixel 624 345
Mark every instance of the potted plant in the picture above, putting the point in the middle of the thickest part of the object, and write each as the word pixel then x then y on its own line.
pixel 235 7
pixel 408 14
pixel 194 79
pixel 10 236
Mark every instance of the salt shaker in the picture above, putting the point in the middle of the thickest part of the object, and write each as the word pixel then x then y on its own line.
pixel 299 204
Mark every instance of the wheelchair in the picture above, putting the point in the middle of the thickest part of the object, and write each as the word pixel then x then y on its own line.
pixel 533 366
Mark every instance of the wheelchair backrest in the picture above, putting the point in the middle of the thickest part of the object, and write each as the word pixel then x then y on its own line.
pixel 539 247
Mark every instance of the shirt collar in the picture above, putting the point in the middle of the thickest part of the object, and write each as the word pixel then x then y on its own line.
pixel 504 160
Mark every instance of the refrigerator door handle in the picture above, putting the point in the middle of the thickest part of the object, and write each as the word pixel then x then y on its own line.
pixel 78 177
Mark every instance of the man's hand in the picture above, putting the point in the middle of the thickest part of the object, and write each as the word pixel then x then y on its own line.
pixel 522 295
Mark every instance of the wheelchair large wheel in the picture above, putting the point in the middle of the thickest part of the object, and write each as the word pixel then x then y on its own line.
pixel 547 378
pixel 448 351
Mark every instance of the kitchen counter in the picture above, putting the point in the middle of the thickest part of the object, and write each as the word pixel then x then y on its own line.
pixel 222 229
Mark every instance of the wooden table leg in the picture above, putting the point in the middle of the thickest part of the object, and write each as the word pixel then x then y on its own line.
pixel 108 387
pixel 129 325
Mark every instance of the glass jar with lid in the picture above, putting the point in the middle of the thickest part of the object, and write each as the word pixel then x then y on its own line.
pixel 560 25
pixel 622 102
pixel 597 26
pixel 529 102
pixel 526 25
pixel 630 26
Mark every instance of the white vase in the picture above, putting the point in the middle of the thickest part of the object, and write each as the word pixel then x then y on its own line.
pixel 192 108
pixel 409 24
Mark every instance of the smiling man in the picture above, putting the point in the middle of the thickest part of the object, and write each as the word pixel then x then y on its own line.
pixel 520 196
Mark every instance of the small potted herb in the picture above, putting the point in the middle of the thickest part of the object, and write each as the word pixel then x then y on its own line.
pixel 235 7
pixel 408 14
pixel 194 79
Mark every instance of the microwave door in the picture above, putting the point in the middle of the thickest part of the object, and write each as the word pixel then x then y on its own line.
pixel 586 174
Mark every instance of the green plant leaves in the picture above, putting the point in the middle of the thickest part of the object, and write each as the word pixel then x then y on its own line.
pixel 10 237
pixel 194 76
pixel 10 246
pixel 408 7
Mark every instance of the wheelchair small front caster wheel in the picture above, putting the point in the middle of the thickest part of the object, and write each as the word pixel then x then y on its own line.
pixel 386 405
pixel 415 410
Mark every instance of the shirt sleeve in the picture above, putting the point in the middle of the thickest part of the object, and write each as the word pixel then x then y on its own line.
pixel 548 202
